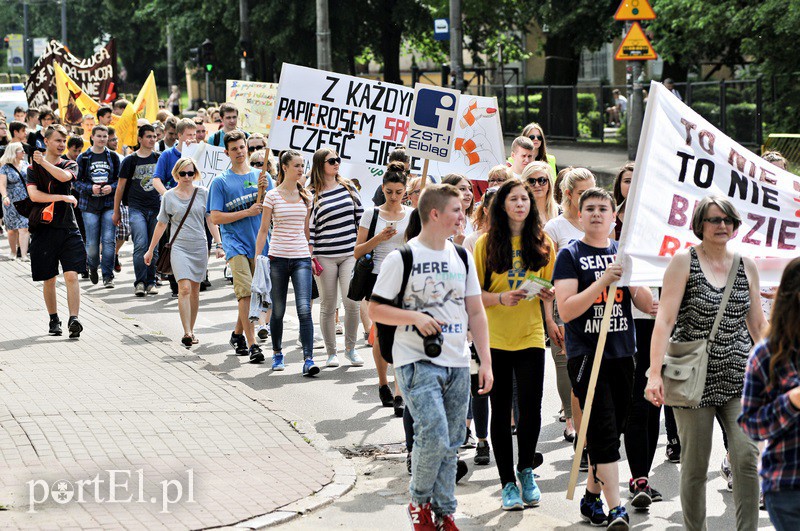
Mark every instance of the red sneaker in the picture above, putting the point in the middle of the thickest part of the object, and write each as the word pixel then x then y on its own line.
pixel 421 517
pixel 446 523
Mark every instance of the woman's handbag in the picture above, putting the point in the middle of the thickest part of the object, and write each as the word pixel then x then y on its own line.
pixel 164 264
pixel 361 282
pixel 686 363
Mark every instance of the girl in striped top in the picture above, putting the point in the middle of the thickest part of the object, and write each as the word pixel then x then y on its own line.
pixel 333 229
pixel 287 207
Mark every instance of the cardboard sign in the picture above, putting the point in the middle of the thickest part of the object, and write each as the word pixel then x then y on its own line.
pixel 682 158
pixel 635 10
pixel 255 101
pixel 433 122
pixel 211 160
pixel 635 46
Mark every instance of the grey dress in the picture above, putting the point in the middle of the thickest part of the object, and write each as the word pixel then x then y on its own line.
pixel 190 251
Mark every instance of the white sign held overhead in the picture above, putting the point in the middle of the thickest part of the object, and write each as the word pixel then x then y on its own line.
pixel 433 122
pixel 683 158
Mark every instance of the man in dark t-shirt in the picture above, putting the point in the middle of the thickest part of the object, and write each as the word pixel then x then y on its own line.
pixel 56 238
pixel 135 188
pixel 98 169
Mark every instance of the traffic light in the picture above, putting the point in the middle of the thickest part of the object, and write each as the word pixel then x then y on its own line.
pixel 208 54
pixel 6 42
pixel 194 56
pixel 245 46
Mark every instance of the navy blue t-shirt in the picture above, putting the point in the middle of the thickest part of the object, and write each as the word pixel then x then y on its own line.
pixel 586 263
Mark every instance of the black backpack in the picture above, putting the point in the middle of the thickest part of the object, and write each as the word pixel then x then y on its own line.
pixel 384 332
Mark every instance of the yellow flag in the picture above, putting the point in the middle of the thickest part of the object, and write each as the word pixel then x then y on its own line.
pixel 73 103
pixel 146 104
pixel 127 127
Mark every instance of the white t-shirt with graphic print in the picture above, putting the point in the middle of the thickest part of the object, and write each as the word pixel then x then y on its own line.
pixel 438 284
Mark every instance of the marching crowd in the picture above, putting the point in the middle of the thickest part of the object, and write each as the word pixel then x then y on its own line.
pixel 459 289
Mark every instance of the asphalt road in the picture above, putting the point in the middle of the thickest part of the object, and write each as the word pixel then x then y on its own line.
pixel 342 405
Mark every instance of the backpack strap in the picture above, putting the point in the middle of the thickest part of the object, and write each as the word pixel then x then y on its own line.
pixel 408 259
pixel 462 253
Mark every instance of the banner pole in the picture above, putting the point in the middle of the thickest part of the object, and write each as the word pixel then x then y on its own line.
pixel 587 407
pixel 424 175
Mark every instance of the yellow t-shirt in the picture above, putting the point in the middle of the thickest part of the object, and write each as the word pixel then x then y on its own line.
pixel 514 327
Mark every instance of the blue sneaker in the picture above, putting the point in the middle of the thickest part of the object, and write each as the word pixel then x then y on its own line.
pixel 592 510
pixel 530 491
pixel 309 369
pixel 618 519
pixel 511 499
pixel 277 362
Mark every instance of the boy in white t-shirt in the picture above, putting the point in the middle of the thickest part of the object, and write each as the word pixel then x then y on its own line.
pixel 442 296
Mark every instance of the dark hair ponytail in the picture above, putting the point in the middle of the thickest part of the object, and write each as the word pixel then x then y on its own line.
pixel 395 173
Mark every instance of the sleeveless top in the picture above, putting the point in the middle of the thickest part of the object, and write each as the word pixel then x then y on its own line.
pixel 727 355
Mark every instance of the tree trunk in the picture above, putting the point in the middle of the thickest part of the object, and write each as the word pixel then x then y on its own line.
pixel 557 112
pixel 391 37
pixel 676 72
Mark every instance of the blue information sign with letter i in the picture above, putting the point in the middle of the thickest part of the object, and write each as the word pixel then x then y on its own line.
pixel 433 121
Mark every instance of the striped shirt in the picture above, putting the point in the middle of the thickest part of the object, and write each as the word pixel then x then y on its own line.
pixel 334 222
pixel 288 236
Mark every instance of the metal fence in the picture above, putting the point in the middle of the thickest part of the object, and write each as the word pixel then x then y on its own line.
pixel 579 112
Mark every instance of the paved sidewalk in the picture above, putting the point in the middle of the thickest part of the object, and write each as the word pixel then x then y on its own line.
pixel 121 399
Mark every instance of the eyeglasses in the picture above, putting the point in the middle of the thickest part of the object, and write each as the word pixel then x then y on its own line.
pixel 541 181
pixel 257 164
pixel 186 173
pixel 496 180
pixel 253 149
pixel 333 161
pixel 540 138
pixel 718 220
pixel 415 192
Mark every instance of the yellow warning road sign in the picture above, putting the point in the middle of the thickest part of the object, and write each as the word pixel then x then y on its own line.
pixel 634 10
pixel 635 46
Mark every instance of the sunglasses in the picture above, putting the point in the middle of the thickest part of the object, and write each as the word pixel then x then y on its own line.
pixel 718 220
pixel 540 138
pixel 541 181
pixel 257 164
pixel 186 173
pixel 333 161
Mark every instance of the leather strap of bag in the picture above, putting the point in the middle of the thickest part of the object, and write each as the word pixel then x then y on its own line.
pixel 725 296
pixel 185 215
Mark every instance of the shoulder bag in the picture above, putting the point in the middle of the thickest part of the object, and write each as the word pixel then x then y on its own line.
pixel 686 362
pixel 164 264
pixel 360 282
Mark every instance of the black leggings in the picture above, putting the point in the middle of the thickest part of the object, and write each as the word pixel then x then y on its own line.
pixel 527 367
pixel 641 432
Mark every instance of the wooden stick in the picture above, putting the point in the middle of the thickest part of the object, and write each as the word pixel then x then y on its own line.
pixel 262 187
pixel 424 175
pixel 587 407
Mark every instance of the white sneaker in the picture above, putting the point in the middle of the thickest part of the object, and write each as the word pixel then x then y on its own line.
pixel 339 329
pixel 333 361
pixel 354 359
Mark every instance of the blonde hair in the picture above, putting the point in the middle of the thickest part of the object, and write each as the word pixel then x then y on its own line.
pixel 500 169
pixel 413 182
pixel 181 164
pixel 572 176
pixel 10 154
pixel 539 166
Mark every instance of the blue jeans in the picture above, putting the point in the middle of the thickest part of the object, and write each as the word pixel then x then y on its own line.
pixel 437 399
pixel 100 229
pixel 143 223
pixel 299 270
pixel 784 509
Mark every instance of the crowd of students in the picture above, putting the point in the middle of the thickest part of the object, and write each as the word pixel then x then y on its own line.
pixel 540 258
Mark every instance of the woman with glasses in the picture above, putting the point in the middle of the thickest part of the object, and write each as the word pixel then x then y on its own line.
pixel 256 142
pixel 498 175
pixel 333 227
pixel 536 134
pixel 691 296
pixel 413 189
pixel 12 188
pixel 514 249
pixel 464 187
pixel 189 252
pixel 391 224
